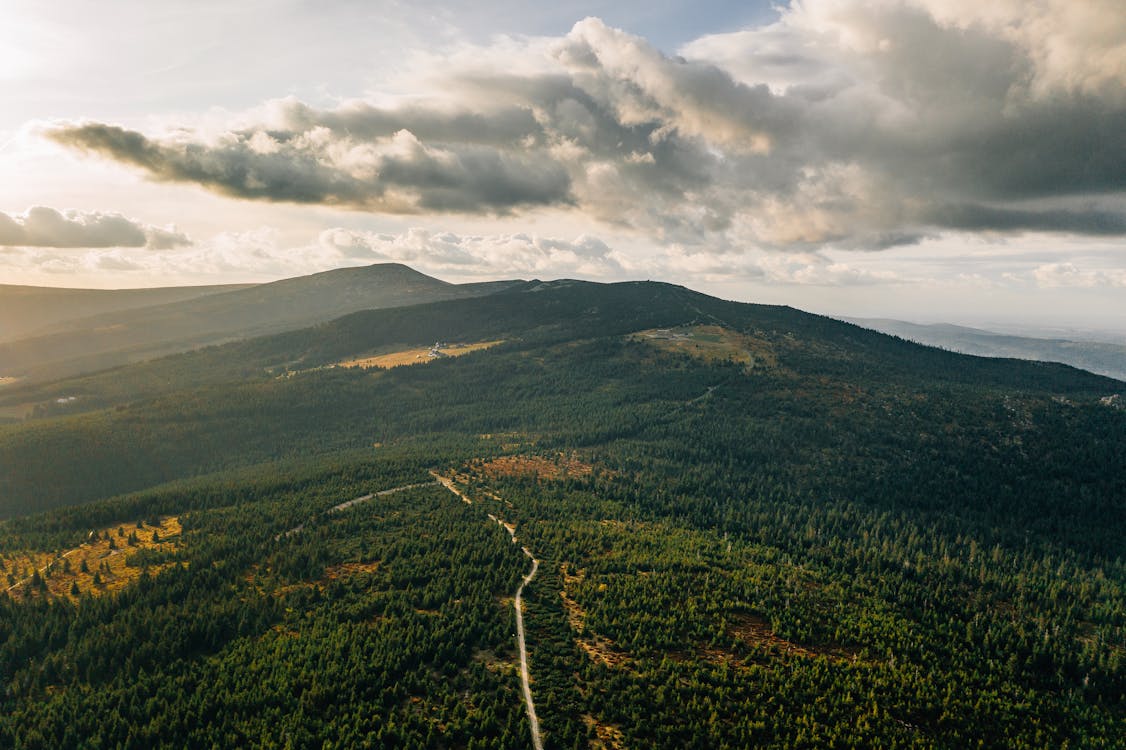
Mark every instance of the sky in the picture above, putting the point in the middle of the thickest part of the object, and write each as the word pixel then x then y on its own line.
pixel 929 160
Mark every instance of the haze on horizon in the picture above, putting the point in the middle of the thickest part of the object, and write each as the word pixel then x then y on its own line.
pixel 921 159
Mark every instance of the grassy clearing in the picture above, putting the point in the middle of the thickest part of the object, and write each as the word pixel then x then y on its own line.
pixel 96 567
pixel 418 356
pixel 712 344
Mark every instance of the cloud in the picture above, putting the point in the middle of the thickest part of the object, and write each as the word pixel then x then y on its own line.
pixel 511 254
pixel 46 227
pixel 1066 274
pixel 847 123
pixel 266 253
pixel 394 173
pixel 773 268
pixel 988 218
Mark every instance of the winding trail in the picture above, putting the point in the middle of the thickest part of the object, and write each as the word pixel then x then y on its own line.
pixel 525 678
pixel 537 740
pixel 349 503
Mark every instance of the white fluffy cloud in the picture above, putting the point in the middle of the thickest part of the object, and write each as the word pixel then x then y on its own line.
pixel 510 254
pixel 847 123
pixel 265 253
pixel 47 227
pixel 1068 274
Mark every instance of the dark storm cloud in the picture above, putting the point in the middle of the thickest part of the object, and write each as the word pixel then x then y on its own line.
pixel 975 218
pixel 398 175
pixel 47 227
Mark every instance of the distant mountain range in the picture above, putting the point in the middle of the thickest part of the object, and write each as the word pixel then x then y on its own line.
pixel 50 334
pixel 1103 358
pixel 27 311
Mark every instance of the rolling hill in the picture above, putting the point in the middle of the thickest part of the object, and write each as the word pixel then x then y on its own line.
pixel 32 310
pixel 97 342
pixel 752 526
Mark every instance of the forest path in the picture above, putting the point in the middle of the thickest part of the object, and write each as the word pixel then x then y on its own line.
pixel 525 677
pixel 537 740
pixel 354 501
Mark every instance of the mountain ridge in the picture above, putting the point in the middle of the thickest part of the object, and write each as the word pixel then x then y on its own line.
pixel 115 338
pixel 34 310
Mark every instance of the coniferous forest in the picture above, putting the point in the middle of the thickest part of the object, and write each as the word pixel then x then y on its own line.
pixel 755 527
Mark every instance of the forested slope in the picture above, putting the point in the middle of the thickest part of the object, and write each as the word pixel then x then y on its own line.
pixel 757 527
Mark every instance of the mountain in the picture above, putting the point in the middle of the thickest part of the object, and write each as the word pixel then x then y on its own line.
pixel 1102 357
pixel 749 526
pixel 29 310
pixel 112 338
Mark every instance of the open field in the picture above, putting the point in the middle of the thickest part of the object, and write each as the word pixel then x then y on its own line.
pixel 712 344
pixel 420 355
pixel 98 566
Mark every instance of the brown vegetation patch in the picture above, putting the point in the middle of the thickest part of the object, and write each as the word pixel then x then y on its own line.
pixel 606 736
pixel 560 466
pixel 712 344
pixel 348 569
pixel 494 663
pixel 282 591
pixel 575 613
pixel 754 630
pixel 105 556
pixel 418 355
pixel 283 631
pixel 602 649
pixel 336 572
pixel 597 647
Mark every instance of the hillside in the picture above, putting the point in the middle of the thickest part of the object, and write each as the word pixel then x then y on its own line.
pixel 534 312
pixel 1102 357
pixel 33 310
pixel 753 526
pixel 118 337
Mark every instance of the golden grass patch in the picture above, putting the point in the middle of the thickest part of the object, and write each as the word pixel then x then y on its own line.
pixel 96 567
pixel 418 356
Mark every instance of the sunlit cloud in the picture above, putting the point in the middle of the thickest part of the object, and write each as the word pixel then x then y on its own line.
pixel 844 124
pixel 47 227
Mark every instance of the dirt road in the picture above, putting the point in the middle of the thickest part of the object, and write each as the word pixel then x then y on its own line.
pixel 525 677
